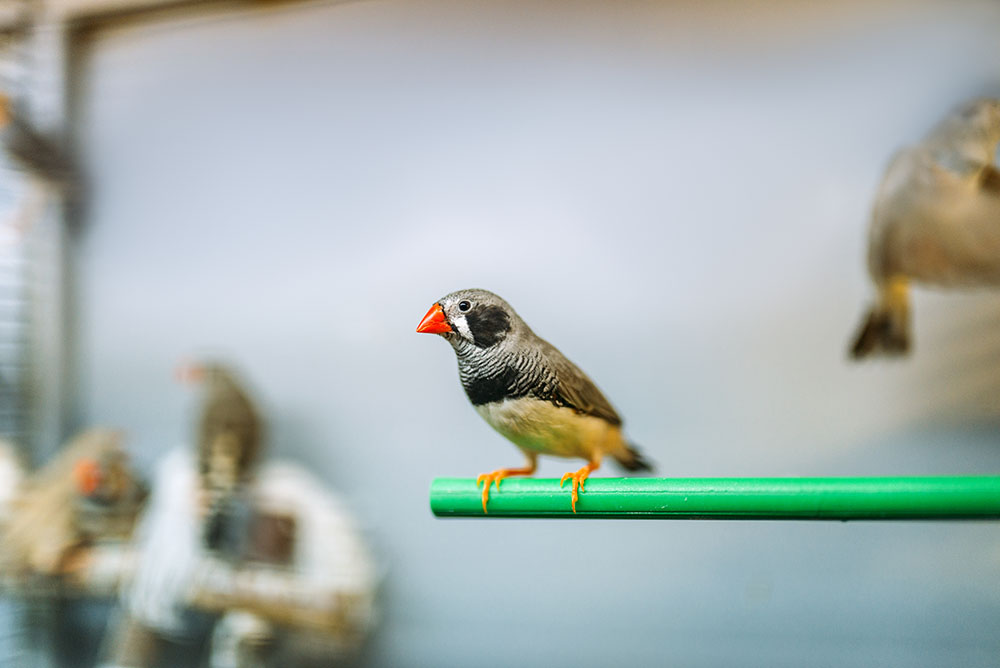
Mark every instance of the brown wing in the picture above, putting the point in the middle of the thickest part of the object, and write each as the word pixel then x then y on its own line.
pixel 575 389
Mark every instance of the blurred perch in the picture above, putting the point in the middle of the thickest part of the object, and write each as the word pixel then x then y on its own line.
pixel 280 596
pixel 884 498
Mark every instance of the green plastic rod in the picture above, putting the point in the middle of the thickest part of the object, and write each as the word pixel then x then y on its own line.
pixel 891 498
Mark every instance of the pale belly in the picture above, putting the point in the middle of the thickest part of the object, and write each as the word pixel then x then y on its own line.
pixel 542 427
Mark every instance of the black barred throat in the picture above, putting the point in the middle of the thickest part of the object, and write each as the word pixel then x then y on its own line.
pixel 487 389
pixel 488 378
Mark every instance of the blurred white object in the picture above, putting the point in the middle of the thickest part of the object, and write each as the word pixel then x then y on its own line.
pixel 324 595
pixel 325 591
pixel 936 221
pixel 11 476
pixel 167 546
pixel 329 554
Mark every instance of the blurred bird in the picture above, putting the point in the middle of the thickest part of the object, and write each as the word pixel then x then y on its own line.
pixel 46 170
pixel 229 422
pixel 45 524
pixel 109 495
pixel 527 390
pixel 193 510
pixel 29 150
pixel 936 221
pixel 230 434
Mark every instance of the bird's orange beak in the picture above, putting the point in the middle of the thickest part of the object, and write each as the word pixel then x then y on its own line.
pixel 434 322
pixel 188 372
pixel 88 476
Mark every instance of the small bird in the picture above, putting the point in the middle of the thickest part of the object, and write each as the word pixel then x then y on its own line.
pixel 936 221
pixel 29 149
pixel 527 390
pixel 230 439
pixel 229 424
pixel 43 166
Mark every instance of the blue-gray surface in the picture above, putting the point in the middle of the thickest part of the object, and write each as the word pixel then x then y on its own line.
pixel 675 194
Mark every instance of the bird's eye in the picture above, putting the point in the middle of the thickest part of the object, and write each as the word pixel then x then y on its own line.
pixel 464 306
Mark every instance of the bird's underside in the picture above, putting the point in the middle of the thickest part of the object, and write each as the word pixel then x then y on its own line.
pixel 544 428
pixel 953 242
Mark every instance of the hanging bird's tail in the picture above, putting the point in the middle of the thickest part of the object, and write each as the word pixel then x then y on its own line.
pixel 886 329
pixel 631 459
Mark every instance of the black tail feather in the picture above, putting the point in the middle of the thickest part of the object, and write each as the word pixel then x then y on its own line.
pixel 634 460
pixel 884 332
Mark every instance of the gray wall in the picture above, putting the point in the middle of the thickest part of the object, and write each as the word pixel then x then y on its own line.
pixel 676 195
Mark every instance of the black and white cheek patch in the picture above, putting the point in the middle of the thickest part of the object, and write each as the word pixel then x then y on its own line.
pixel 462 327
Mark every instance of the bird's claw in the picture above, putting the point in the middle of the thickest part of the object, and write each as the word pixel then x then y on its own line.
pixel 496 476
pixel 578 480
pixel 490 479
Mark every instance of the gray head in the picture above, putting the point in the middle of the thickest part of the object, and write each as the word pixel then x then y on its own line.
pixel 972 130
pixel 211 374
pixel 982 114
pixel 476 317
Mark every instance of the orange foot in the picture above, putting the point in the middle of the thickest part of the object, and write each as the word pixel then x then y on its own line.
pixel 496 477
pixel 578 478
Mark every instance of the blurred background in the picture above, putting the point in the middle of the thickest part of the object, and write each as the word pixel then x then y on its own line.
pixel 675 194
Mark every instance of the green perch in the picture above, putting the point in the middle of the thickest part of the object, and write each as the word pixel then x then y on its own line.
pixel 882 498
